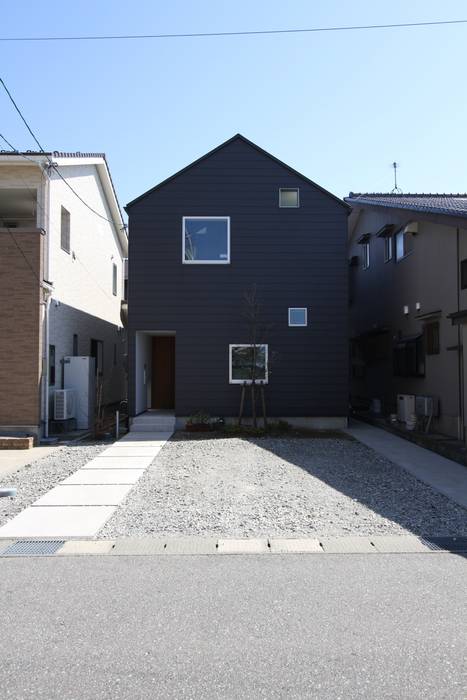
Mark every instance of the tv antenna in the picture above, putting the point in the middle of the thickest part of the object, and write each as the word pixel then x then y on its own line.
pixel 395 189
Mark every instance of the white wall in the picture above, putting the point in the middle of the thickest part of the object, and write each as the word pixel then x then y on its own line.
pixel 83 277
pixel 143 355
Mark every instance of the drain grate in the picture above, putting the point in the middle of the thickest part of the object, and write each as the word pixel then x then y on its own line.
pixel 33 548
pixel 446 544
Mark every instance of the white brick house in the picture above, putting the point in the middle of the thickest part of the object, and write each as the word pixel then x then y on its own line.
pixel 83 248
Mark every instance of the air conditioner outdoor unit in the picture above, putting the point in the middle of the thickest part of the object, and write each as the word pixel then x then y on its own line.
pixel 426 406
pixel 405 406
pixel 64 404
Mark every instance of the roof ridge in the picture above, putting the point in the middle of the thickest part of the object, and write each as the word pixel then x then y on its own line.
pixel 398 195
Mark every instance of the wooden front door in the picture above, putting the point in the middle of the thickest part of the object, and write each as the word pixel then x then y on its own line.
pixel 163 372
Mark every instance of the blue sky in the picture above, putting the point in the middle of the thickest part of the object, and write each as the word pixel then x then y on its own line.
pixel 339 107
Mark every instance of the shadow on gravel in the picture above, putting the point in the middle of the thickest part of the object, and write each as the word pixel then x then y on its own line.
pixel 373 481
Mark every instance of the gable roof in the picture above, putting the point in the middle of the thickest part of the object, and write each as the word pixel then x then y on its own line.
pixel 239 137
pixel 448 204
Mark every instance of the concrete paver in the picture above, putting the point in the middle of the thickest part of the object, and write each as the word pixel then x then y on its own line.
pixel 89 495
pixel 242 546
pixel 122 462
pixel 348 545
pixel 131 451
pixel 444 475
pixel 57 521
pixel 104 476
pixel 399 544
pixel 86 547
pixel 281 545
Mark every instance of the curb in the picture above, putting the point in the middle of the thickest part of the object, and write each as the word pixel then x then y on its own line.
pixel 211 546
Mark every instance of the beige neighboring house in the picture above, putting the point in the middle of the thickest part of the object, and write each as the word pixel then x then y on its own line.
pixel 62 258
pixel 408 306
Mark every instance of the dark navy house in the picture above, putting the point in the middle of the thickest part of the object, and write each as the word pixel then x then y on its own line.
pixel 235 223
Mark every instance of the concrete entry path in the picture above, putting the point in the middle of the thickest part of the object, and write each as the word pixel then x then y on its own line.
pixel 81 504
pixel 443 475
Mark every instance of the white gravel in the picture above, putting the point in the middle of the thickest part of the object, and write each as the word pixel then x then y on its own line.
pixel 276 486
pixel 35 479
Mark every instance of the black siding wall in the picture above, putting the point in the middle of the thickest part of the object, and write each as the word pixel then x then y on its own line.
pixel 296 257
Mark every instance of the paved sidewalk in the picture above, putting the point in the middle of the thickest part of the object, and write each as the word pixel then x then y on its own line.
pixel 81 504
pixel 444 475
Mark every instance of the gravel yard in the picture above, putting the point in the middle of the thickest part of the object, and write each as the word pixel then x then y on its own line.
pixel 35 479
pixel 279 486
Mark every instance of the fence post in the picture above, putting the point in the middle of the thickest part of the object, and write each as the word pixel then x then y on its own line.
pixel 117 424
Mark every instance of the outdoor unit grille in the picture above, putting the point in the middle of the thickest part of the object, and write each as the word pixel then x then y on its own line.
pixel 405 406
pixel 64 404
pixel 426 406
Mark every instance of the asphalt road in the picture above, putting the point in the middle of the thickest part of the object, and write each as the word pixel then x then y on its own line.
pixel 295 626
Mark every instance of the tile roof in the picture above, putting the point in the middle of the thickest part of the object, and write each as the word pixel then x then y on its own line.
pixel 449 204
pixel 56 154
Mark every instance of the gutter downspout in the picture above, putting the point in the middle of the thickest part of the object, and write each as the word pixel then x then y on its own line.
pixel 45 352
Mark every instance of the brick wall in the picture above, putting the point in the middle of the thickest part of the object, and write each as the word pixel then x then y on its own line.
pixel 20 327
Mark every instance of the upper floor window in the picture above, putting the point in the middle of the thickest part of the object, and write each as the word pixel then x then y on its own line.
pixel 65 230
pixel 366 255
pixel 298 316
pixel 206 240
pixel 403 243
pixel 289 197
pixel 387 248
pixel 114 279
pixel 432 338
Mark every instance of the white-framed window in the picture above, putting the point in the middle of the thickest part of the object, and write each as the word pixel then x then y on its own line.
pixel 366 255
pixel 65 230
pixel 248 362
pixel 403 244
pixel 289 197
pixel 387 248
pixel 206 240
pixel 114 279
pixel 298 316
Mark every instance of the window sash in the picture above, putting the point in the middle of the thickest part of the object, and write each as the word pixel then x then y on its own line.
pixel 246 363
pixel 305 316
pixel 387 248
pixel 283 195
pixel 114 279
pixel 65 230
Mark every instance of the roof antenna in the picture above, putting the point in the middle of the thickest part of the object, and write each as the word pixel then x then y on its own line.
pixel 395 189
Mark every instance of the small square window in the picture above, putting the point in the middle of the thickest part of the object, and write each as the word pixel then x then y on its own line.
pixel 248 362
pixel 298 316
pixel 289 198
pixel 65 230
pixel 206 240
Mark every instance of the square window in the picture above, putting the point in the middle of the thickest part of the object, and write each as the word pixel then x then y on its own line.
pixel 248 362
pixel 298 316
pixel 65 230
pixel 206 240
pixel 289 197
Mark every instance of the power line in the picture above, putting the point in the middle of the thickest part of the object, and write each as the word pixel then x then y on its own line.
pixel 52 165
pixel 111 37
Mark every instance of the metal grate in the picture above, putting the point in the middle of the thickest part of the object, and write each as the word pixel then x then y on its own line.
pixel 34 548
pixel 446 544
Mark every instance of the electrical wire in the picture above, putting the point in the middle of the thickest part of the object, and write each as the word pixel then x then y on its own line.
pixel 52 165
pixel 191 35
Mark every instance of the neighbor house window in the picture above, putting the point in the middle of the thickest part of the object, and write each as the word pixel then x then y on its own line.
pixel 114 279
pixel 65 230
pixel 289 197
pixel 75 345
pixel 248 362
pixel 432 338
pixel 403 244
pixel 387 248
pixel 206 239
pixel 97 351
pixel 52 365
pixel 298 316
pixel 366 256
pixel 409 358
pixel 464 274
